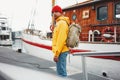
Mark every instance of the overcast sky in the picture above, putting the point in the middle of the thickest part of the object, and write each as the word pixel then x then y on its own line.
pixel 19 12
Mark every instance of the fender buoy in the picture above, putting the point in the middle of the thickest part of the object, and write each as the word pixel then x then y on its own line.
pixel 108 34
pixel 51 27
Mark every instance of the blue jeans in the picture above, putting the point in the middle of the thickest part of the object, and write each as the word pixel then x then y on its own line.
pixel 61 64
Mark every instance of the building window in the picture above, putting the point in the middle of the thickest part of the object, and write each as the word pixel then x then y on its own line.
pixel 102 13
pixel 117 10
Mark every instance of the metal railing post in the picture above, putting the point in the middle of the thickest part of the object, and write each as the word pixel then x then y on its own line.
pixel 85 54
pixel 85 76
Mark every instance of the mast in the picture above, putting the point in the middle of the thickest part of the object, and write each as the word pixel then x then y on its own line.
pixel 52 25
pixel 31 21
pixel 53 3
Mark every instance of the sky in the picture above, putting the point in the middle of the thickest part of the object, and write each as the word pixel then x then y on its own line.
pixel 20 12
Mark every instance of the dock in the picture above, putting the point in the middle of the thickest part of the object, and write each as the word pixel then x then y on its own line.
pixel 21 66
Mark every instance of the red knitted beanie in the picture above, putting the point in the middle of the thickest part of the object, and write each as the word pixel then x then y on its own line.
pixel 56 9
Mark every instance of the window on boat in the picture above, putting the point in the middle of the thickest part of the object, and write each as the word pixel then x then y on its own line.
pixel 102 13
pixel 3 28
pixel 2 23
pixel 117 10
pixel 74 16
pixel 7 37
pixel 4 37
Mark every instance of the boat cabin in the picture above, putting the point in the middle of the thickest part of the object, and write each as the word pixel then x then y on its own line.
pixel 99 20
pixel 5 32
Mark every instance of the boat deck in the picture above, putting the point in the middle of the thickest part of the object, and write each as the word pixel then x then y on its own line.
pixel 20 66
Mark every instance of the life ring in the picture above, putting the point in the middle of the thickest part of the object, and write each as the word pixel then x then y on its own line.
pixel 51 27
pixel 108 34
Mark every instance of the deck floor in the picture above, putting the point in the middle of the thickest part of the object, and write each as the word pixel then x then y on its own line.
pixel 20 66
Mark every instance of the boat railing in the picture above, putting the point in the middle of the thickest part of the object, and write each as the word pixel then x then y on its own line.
pixel 89 37
pixel 38 33
pixel 100 38
pixel 86 54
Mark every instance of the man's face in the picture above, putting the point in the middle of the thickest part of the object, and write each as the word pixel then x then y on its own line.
pixel 56 14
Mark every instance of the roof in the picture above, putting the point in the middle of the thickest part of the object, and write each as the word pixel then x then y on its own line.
pixel 81 4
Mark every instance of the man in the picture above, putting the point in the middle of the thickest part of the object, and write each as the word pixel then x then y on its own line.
pixel 59 47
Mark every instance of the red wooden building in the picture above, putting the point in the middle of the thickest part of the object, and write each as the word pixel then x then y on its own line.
pixel 99 20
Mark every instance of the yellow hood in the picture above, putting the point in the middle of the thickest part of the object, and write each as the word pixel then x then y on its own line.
pixel 64 18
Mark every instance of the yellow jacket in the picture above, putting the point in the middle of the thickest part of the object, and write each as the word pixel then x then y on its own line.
pixel 60 35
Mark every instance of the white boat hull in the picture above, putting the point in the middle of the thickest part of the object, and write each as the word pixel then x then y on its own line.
pixel 94 65
pixel 6 43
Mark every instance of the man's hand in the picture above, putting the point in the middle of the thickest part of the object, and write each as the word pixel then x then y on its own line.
pixel 55 59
